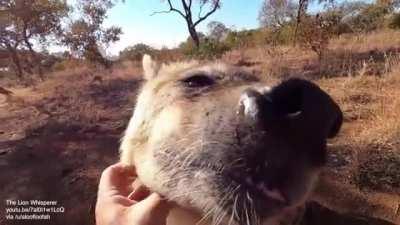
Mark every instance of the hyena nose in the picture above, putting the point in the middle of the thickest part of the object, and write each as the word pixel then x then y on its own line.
pixel 260 108
pixel 292 106
pixel 253 106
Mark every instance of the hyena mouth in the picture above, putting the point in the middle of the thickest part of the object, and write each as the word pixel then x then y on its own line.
pixel 261 190
pixel 250 200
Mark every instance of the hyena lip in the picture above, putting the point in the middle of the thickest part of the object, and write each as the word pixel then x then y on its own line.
pixel 259 202
pixel 261 191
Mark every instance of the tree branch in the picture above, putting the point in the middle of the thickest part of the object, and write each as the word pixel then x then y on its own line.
pixel 171 9
pixel 190 4
pixel 185 7
pixel 216 6
pixel 201 9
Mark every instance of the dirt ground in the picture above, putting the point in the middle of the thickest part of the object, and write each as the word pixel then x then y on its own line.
pixel 57 136
pixel 51 151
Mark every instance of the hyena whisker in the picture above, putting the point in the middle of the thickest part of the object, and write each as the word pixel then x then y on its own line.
pixel 234 213
pixel 206 215
pixel 246 212
pixel 221 213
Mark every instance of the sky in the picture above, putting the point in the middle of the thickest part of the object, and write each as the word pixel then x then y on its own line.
pixel 169 29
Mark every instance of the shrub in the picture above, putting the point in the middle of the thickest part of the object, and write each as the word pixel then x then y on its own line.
pixel 208 49
pixel 246 38
pixel 66 64
pixel 333 18
pixel 237 39
pixel 49 61
pixel 169 55
pixel 315 33
pixel 59 66
pixel 136 52
pixel 369 18
pixel 282 36
pixel 395 21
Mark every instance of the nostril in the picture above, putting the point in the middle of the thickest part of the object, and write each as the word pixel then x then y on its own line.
pixel 294 101
pixel 317 110
pixel 283 101
pixel 287 101
pixel 251 104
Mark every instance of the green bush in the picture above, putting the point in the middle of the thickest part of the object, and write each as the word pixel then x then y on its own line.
pixel 95 57
pixel 333 22
pixel 246 38
pixel 208 49
pixel 395 21
pixel 66 64
pixel 370 18
pixel 237 39
pixel 282 36
pixel 59 66
pixel 136 52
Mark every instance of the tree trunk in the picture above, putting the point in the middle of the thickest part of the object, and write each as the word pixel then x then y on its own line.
pixel 194 35
pixel 16 61
pixel 35 58
pixel 302 8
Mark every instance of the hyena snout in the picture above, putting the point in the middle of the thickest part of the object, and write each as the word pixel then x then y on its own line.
pixel 295 106
pixel 284 131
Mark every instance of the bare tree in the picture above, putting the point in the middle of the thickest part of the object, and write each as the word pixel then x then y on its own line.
pixel 392 5
pixel 187 14
pixel 10 42
pixel 217 30
pixel 302 12
pixel 277 13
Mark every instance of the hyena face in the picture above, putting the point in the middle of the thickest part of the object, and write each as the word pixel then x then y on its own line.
pixel 218 141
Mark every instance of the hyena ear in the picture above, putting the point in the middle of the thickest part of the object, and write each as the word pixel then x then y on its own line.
pixel 150 67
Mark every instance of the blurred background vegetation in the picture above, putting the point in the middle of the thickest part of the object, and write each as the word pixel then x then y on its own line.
pixel 79 28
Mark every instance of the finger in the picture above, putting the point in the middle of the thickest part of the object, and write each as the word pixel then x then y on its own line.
pixel 117 179
pixel 153 210
pixel 154 201
pixel 139 192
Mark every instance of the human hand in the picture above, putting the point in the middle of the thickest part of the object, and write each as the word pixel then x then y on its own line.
pixel 123 200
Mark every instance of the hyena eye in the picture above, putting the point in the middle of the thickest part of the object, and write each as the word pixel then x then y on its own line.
pixel 197 81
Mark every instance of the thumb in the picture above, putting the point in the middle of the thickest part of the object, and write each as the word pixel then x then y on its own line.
pixel 153 210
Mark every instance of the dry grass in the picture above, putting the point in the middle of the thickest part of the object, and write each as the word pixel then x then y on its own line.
pixel 371 131
pixel 75 96
pixel 372 54
pixel 384 39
